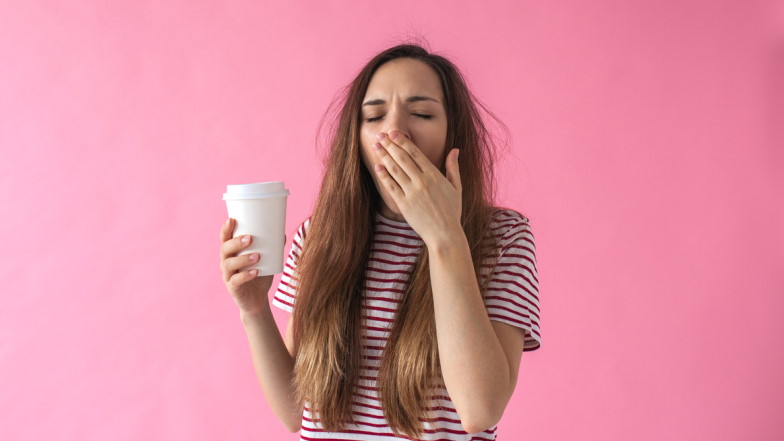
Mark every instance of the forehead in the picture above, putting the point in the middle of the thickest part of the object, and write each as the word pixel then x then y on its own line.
pixel 404 76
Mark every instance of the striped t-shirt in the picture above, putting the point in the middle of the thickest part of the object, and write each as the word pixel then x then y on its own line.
pixel 512 297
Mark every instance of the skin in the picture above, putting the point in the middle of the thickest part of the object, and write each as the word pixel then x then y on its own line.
pixel 394 82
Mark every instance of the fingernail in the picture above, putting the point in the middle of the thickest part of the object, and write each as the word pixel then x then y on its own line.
pixel 393 135
pixel 252 272
pixel 380 135
pixel 253 257
pixel 245 239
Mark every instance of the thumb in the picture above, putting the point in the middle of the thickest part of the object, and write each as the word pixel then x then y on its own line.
pixel 452 169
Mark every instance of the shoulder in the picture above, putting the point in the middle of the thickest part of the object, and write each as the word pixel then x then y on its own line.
pixel 509 226
pixel 301 232
pixel 302 228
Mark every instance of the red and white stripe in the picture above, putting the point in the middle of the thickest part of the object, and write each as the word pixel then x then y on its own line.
pixel 511 297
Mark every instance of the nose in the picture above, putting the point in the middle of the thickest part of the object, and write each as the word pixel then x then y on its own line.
pixel 396 120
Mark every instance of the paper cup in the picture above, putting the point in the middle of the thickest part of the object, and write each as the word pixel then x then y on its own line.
pixel 260 211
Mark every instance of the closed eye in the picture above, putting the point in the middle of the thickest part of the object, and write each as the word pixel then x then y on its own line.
pixel 416 114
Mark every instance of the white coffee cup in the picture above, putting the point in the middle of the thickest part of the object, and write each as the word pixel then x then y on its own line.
pixel 260 211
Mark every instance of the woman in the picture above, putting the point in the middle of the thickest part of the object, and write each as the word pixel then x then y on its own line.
pixel 415 296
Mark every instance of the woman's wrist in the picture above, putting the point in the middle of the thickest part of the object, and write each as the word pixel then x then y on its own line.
pixel 250 318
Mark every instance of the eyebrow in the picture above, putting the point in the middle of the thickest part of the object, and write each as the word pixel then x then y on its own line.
pixel 410 99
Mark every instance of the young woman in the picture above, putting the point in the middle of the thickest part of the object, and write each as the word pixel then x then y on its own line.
pixel 412 295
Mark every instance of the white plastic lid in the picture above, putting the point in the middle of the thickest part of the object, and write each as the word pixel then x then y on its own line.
pixel 255 191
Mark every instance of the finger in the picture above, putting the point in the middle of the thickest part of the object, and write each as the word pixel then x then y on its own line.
pixel 404 152
pixel 453 169
pixel 231 246
pixel 226 230
pixel 241 277
pixel 232 264
pixel 414 152
pixel 392 167
pixel 389 183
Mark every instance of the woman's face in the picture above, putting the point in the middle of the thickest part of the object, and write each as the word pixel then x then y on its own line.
pixel 393 101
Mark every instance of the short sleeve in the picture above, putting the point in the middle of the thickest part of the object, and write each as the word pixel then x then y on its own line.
pixel 512 295
pixel 287 286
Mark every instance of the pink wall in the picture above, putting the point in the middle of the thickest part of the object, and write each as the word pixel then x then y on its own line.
pixel 643 151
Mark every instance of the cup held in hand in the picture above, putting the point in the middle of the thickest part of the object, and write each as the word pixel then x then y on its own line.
pixel 260 211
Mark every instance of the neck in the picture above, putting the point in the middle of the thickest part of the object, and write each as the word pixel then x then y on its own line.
pixel 389 214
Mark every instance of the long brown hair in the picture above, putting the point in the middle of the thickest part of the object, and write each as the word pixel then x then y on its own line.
pixel 331 268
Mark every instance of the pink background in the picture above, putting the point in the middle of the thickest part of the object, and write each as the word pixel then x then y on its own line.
pixel 646 150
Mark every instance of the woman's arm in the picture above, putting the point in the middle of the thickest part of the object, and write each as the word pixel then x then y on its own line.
pixel 478 373
pixel 274 365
